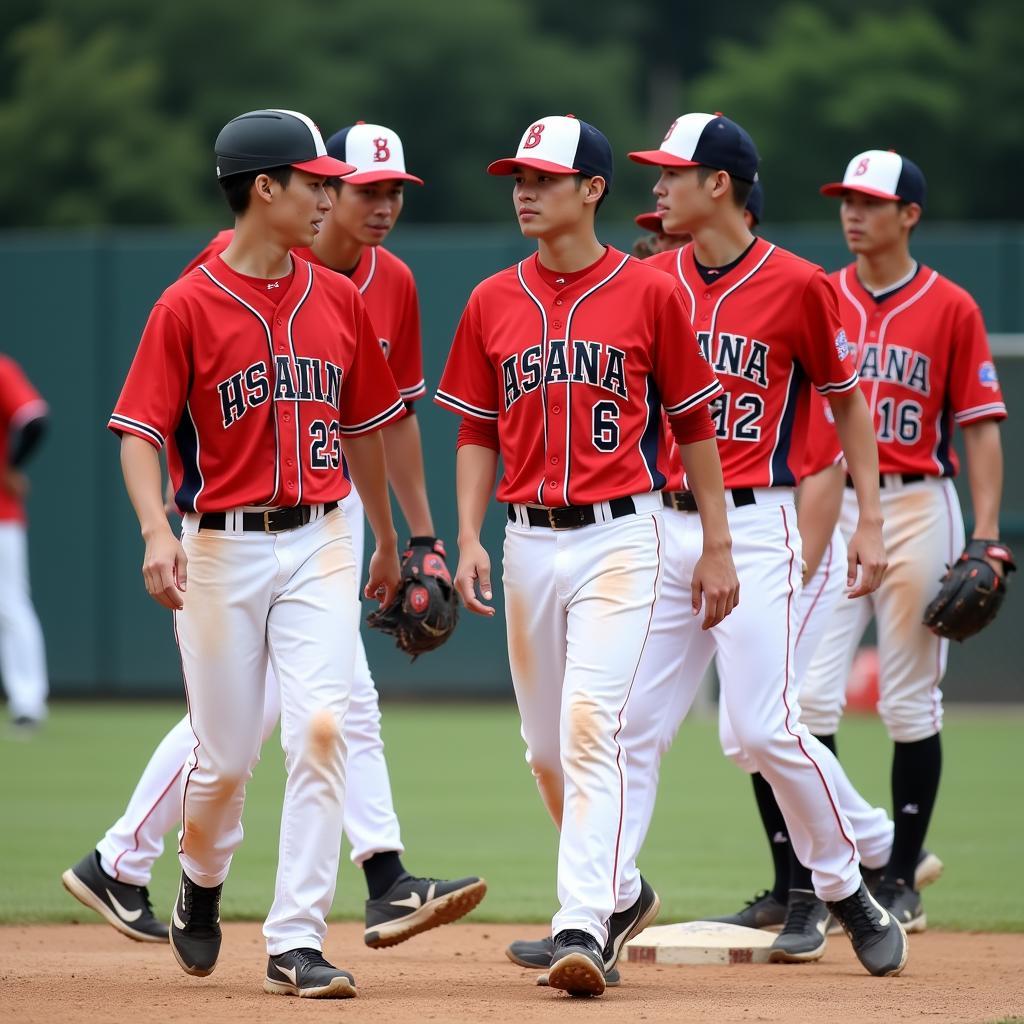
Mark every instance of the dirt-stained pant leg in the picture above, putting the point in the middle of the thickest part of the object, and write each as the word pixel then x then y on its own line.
pixel 312 634
pixel 590 593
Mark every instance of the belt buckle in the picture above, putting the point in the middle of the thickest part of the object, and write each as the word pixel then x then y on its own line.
pixel 552 522
pixel 268 526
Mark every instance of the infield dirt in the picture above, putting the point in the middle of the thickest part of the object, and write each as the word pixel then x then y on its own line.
pixel 87 973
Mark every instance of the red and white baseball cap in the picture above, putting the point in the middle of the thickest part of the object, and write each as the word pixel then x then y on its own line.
pixel 375 151
pixel 882 174
pixel 704 140
pixel 561 145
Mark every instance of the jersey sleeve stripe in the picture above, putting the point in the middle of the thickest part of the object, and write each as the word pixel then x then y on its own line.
pixel 375 421
pixel 464 408
pixel 31 410
pixel 416 391
pixel 694 400
pixel 981 412
pixel 834 389
pixel 119 423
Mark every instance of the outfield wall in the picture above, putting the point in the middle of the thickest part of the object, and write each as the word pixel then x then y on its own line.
pixel 77 304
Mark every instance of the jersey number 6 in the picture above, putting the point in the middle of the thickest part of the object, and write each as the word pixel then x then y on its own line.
pixel 606 426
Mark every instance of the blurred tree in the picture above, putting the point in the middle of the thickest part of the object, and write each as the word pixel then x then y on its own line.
pixel 83 139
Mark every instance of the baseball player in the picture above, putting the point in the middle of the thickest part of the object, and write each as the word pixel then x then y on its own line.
pixel 23 420
pixel 925 366
pixel 255 367
pixel 658 240
pixel 561 365
pixel 113 878
pixel 769 325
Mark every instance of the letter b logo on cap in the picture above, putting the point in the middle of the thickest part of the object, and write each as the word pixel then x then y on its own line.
pixel 533 136
pixel 381 150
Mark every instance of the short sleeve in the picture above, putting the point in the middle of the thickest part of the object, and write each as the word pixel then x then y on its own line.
pixel 821 345
pixel 156 389
pixel 19 400
pixel 469 385
pixel 684 378
pixel 974 390
pixel 369 397
pixel 406 355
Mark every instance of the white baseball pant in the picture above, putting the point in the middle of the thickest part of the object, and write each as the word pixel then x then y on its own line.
pixel 22 652
pixel 135 841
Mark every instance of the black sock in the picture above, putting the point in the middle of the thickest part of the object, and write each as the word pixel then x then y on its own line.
pixel 382 870
pixel 799 876
pixel 778 836
pixel 916 768
pixel 828 741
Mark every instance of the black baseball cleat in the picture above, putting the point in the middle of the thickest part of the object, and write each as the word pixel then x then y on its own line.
pixel 577 964
pixel 612 979
pixel 878 938
pixel 527 953
pixel 195 927
pixel 903 903
pixel 305 973
pixel 414 905
pixel 802 938
pixel 763 911
pixel 625 924
pixel 125 907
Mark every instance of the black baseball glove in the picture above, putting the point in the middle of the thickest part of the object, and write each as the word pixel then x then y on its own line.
pixel 971 592
pixel 424 613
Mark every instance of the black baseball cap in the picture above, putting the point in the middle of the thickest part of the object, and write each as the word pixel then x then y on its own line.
pixel 705 140
pixel 262 139
pixel 561 145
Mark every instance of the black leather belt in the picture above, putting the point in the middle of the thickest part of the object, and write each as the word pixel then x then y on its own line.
pixel 685 501
pixel 572 517
pixel 273 520
pixel 907 478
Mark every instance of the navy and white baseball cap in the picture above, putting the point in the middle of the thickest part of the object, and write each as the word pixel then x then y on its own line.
pixel 561 145
pixel 882 174
pixel 262 139
pixel 375 151
pixel 705 140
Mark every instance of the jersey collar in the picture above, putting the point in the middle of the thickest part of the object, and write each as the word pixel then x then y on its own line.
pixel 536 283
pixel 686 261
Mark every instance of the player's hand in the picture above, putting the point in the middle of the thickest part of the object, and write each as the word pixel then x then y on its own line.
pixel 385 575
pixel 474 567
pixel 165 569
pixel 867 550
pixel 714 578
pixel 15 483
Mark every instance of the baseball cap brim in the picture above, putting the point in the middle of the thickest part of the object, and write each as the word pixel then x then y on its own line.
pixel 648 222
pixel 369 177
pixel 837 188
pixel 661 158
pixel 511 164
pixel 324 166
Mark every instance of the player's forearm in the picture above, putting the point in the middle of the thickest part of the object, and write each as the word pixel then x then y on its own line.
pixel 857 436
pixel 818 502
pixel 140 465
pixel 476 469
pixel 985 475
pixel 403 449
pixel 365 457
pixel 704 477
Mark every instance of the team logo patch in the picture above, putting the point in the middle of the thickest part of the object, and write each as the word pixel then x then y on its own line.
pixel 987 376
pixel 842 344
pixel 381 150
pixel 418 599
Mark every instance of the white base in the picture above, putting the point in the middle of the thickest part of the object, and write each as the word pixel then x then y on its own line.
pixel 700 942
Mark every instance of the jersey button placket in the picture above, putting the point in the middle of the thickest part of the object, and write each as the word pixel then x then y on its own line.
pixel 288 453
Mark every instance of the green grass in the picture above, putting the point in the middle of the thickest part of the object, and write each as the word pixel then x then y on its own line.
pixel 468 805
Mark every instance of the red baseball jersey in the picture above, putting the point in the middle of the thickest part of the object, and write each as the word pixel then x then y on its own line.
pixel 924 364
pixel 19 403
pixel 767 327
pixel 575 377
pixel 389 291
pixel 253 394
